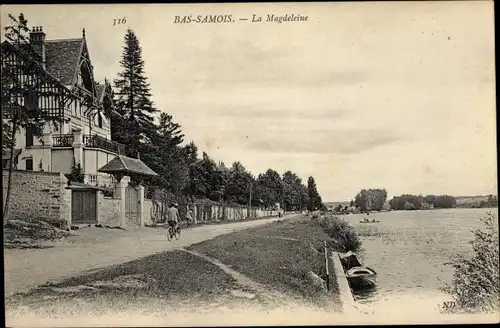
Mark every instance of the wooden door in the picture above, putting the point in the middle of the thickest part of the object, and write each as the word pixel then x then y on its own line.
pixel 83 207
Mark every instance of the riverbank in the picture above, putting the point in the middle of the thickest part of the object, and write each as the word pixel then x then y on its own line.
pixel 264 268
pixel 409 249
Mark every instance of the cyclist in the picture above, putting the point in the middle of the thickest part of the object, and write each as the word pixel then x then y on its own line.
pixel 173 216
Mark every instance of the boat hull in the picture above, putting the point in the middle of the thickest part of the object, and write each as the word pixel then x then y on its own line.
pixel 360 277
pixel 360 283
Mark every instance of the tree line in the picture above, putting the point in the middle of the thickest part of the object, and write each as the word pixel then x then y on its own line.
pixel 370 200
pixel 160 144
pixel 414 202
pixel 375 200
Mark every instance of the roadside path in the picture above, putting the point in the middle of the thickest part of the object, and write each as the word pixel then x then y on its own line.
pixel 26 269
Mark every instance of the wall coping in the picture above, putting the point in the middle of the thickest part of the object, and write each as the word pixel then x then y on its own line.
pixel 6 172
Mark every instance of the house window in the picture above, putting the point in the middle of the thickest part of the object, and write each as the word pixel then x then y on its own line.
pixel 29 164
pixel 99 120
pixel 29 137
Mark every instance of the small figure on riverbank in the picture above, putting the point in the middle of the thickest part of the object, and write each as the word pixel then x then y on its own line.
pixel 189 216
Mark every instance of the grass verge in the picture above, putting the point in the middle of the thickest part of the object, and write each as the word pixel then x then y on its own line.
pixel 282 256
pixel 169 280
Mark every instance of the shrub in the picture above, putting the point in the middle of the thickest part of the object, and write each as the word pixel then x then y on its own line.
pixel 476 283
pixel 76 173
pixel 343 235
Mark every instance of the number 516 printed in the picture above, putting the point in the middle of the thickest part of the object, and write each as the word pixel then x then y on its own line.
pixel 119 21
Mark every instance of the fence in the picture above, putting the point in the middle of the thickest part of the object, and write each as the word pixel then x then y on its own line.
pixel 203 210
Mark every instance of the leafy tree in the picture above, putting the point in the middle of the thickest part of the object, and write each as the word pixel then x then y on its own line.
pixel 292 185
pixel 269 188
pixel 134 124
pixel 371 199
pixel 362 200
pixel 445 201
pixel 19 95
pixel 206 179
pixel 304 197
pixel 429 199
pixel 239 182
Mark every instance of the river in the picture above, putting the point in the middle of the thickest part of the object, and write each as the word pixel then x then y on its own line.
pixel 408 250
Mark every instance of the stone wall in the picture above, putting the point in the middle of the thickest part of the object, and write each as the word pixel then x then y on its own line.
pixel 148 211
pixel 38 195
pixel 109 211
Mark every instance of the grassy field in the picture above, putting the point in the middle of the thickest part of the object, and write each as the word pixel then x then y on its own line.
pixel 276 257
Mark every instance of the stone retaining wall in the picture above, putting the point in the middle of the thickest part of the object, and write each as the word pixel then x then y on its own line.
pixel 38 195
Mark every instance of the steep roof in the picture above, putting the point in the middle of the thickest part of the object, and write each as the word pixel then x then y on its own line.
pixel 100 88
pixel 62 58
pixel 125 165
pixel 7 46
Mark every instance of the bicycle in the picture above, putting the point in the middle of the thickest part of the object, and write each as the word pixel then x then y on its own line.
pixel 173 232
pixel 188 223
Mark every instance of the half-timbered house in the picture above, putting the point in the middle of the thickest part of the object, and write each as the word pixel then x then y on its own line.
pixel 85 134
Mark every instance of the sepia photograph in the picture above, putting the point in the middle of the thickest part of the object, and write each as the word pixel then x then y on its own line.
pixel 229 164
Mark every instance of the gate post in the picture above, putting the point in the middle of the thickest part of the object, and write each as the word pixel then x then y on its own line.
pixel 98 199
pixel 78 147
pixel 121 186
pixel 140 196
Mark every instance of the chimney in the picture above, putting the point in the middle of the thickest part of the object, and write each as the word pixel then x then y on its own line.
pixel 37 40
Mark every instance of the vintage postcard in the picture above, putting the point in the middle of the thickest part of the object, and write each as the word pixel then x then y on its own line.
pixel 249 164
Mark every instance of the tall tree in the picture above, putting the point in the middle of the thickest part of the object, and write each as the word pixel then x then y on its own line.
pixel 292 185
pixel 191 152
pixel 269 188
pixel 304 197
pixel 315 201
pixel 239 182
pixel 22 82
pixel 134 124
pixel 206 179
pixel 166 157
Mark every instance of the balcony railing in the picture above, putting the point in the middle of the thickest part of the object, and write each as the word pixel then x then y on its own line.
pixel 106 182
pixel 63 140
pixel 101 180
pixel 96 141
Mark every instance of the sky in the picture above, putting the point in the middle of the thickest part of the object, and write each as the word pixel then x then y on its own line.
pixel 398 96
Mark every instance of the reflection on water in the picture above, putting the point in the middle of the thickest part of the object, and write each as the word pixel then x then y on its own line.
pixel 365 294
pixel 408 250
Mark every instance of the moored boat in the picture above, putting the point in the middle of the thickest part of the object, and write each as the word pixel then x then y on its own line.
pixel 361 277
pixel 358 276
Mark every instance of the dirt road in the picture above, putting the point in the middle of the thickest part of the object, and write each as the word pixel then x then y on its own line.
pixel 96 248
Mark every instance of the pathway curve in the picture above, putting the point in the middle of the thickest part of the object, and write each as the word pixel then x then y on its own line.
pixel 267 294
pixel 26 269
